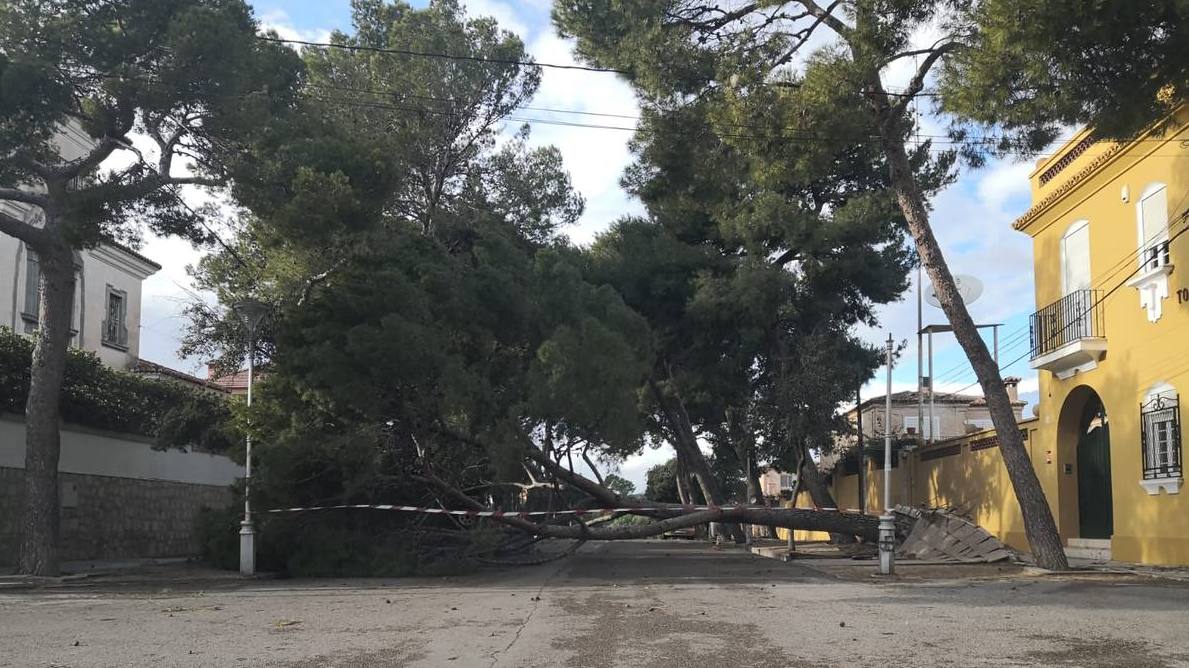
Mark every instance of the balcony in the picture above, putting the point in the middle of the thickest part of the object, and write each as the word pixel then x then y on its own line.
pixel 1068 335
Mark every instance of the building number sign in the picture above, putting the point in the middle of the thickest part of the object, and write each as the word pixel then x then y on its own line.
pixel 1183 296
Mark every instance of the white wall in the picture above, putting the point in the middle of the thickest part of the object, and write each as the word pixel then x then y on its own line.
pixel 103 266
pixel 97 453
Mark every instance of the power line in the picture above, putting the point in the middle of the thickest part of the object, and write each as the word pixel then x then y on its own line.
pixel 804 137
pixel 443 56
pixel 1019 334
pixel 1184 215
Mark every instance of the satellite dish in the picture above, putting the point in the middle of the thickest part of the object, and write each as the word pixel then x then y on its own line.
pixel 969 287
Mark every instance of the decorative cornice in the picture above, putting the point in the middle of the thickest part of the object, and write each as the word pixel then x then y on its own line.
pixel 126 260
pixel 1066 186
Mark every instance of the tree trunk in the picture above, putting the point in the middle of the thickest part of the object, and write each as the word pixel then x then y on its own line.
pixel 687 448
pixel 820 493
pixel 850 524
pixel 855 524
pixel 1038 518
pixel 39 530
pixel 680 477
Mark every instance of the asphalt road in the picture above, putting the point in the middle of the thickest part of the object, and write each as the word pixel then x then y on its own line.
pixel 647 603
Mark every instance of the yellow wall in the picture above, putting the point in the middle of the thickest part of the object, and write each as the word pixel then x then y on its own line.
pixel 974 482
pixel 1140 353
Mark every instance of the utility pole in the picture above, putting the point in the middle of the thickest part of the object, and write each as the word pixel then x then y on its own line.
pixel 251 313
pixel 887 521
pixel 862 454
pixel 921 360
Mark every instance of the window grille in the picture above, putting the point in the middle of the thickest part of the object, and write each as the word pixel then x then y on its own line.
pixel 115 324
pixel 1160 417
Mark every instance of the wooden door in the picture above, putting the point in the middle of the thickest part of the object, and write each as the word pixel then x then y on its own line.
pixel 1095 506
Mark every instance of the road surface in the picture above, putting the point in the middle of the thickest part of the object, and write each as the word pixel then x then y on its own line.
pixel 645 603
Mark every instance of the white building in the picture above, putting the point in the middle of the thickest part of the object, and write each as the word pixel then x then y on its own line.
pixel 106 317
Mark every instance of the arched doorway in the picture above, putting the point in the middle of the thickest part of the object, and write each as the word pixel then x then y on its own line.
pixel 1095 505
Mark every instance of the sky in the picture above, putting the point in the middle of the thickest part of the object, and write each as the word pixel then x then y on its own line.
pixel 972 218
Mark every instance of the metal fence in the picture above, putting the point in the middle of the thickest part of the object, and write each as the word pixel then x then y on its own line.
pixel 1077 315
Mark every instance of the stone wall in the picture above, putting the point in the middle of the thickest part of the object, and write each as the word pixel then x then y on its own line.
pixel 120 498
pixel 114 518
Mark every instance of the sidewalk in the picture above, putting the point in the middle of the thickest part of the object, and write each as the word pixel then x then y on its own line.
pixel 829 560
pixel 172 572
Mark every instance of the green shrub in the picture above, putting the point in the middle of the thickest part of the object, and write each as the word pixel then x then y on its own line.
pixel 337 544
pixel 97 396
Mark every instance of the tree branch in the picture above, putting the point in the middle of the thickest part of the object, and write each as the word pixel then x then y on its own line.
pixel 91 160
pixel 14 227
pixel 918 80
pixel 23 196
pixel 825 16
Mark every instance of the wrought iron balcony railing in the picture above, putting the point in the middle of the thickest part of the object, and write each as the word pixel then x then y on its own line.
pixel 1076 316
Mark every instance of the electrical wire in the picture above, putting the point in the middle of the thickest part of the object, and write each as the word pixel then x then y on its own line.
pixel 1182 217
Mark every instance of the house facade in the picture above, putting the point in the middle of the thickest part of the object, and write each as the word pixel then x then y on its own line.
pixel 1109 338
pixel 107 295
pixel 940 416
pixel 1108 343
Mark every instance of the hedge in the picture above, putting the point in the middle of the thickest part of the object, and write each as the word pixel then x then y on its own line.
pixel 97 396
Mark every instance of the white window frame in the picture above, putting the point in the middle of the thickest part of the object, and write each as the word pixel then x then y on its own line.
pixel 1162 452
pixel 1152 279
pixel 910 422
pixel 1147 243
pixel 981 424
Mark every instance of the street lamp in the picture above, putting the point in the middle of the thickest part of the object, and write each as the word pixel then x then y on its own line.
pixel 887 521
pixel 251 313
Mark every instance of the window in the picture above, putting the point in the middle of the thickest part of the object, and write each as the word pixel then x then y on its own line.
pixel 31 308
pixel 980 424
pixel 1075 258
pixel 115 323
pixel 1160 421
pixel 1153 228
pixel 910 426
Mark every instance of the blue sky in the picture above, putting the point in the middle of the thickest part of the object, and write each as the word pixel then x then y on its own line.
pixel 972 218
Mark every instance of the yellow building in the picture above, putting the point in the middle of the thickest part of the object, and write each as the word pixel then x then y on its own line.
pixel 1111 340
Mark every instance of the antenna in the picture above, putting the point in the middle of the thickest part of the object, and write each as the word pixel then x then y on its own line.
pixel 969 287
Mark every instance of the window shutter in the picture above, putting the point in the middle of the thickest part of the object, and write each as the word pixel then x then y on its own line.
pixel 123 319
pixel 1075 259
pixel 32 278
pixel 1154 210
pixel 910 424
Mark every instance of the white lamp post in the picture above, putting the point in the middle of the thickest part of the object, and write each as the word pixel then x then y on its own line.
pixel 887 521
pixel 251 313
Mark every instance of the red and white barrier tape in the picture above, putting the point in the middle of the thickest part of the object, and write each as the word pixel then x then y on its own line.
pixel 532 513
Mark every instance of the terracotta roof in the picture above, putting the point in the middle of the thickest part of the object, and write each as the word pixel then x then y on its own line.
pixel 145 367
pixel 910 397
pixel 126 249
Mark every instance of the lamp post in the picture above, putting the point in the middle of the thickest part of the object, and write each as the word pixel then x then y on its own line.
pixel 887 521
pixel 251 313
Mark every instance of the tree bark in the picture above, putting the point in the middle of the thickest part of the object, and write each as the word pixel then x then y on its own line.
pixel 1039 525
pixel 856 524
pixel 851 524
pixel 39 530
pixel 680 477
pixel 820 493
pixel 687 448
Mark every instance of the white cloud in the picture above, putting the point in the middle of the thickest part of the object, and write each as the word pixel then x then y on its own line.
pixel 504 14
pixel 277 20
pixel 1003 182
pixel 594 157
